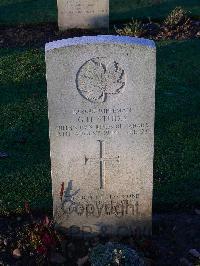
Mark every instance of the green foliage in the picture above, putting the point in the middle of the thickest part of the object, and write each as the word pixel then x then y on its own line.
pixel 133 28
pixel 178 16
pixel 176 26
pixel 155 9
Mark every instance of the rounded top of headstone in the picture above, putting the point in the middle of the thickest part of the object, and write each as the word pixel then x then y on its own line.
pixel 86 40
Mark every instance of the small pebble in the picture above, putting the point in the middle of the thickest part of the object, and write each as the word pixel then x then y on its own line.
pixel 17 253
pixel 194 253
pixel 5 242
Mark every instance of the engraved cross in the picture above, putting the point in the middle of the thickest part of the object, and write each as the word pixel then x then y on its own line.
pixel 102 162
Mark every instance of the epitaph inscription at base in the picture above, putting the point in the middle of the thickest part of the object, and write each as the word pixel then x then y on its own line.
pixel 101 118
pixel 83 14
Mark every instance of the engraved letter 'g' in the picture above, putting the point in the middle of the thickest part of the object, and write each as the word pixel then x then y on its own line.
pixel 96 80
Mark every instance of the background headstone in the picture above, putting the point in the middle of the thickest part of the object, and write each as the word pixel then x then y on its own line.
pixel 83 14
pixel 101 113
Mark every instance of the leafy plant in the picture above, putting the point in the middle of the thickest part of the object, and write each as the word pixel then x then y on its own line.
pixel 178 16
pixel 37 239
pixel 134 28
pixel 177 25
pixel 113 254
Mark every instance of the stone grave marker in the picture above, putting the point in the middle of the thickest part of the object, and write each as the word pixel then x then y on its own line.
pixel 101 114
pixel 84 14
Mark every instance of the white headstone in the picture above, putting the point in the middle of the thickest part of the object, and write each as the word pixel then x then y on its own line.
pixel 84 14
pixel 101 113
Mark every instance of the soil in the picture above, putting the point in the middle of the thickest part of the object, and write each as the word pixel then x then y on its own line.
pixel 38 35
pixel 174 235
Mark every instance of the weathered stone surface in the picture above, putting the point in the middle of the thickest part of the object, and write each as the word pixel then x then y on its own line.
pixel 83 14
pixel 101 114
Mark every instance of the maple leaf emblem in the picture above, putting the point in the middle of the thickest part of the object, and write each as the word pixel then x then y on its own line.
pixel 96 80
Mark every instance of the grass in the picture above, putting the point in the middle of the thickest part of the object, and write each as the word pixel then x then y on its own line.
pixel 39 11
pixel 25 175
pixel 154 9
pixel 14 12
pixel 177 147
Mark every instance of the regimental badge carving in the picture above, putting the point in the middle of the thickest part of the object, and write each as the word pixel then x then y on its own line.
pixel 98 79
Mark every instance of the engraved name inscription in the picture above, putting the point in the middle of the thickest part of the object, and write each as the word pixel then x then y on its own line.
pixel 103 122
pixel 83 7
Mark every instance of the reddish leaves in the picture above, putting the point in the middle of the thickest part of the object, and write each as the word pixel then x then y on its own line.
pixel 62 190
